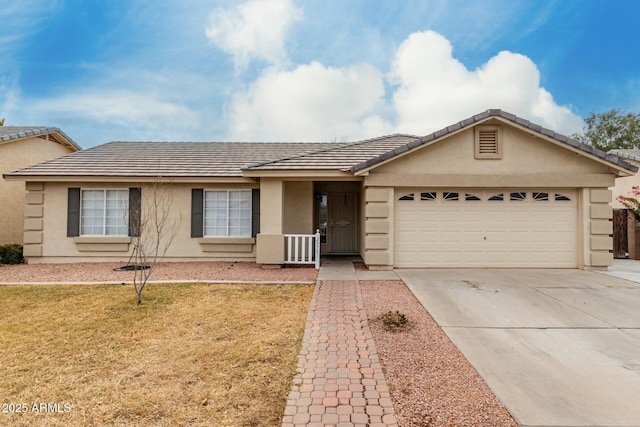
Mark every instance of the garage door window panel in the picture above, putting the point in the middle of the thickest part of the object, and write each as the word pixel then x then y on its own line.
pixel 450 196
pixel 407 197
pixel 540 197
pixel 428 196
pixel 518 196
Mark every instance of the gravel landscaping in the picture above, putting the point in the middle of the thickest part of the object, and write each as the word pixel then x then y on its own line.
pixel 166 271
pixel 431 382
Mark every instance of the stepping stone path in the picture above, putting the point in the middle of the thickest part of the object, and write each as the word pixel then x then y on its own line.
pixel 340 380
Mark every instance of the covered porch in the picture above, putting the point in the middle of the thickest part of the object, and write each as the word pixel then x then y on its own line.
pixel 302 207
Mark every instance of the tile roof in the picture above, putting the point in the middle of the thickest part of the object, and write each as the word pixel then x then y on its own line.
pixel 229 159
pixel 342 157
pixel 8 133
pixel 483 117
pixel 629 153
pixel 168 159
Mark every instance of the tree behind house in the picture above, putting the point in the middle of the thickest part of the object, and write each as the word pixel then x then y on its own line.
pixel 154 228
pixel 611 130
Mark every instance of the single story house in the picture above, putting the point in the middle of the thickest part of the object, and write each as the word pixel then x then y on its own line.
pixel 494 190
pixel 22 146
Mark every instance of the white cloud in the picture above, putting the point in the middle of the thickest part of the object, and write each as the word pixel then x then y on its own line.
pixel 254 30
pixel 436 90
pixel 312 102
pixel 139 113
pixel 432 90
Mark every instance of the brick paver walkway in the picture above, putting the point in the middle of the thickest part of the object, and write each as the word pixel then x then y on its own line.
pixel 340 380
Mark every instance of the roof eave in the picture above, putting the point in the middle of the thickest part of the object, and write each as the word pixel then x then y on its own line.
pixel 622 155
pixel 623 168
pixel 363 168
pixel 129 178
pixel 296 173
pixel 68 141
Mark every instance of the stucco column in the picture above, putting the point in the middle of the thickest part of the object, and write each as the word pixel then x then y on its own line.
pixel 33 220
pixel 378 241
pixel 600 241
pixel 270 240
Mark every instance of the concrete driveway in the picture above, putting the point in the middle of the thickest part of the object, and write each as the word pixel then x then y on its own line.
pixel 558 347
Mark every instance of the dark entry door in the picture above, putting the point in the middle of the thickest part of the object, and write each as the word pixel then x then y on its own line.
pixel 343 224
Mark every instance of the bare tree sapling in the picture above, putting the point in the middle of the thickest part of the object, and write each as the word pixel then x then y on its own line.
pixel 153 227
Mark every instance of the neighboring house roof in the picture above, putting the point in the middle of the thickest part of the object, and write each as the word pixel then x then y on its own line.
pixel 232 159
pixel 630 153
pixel 9 133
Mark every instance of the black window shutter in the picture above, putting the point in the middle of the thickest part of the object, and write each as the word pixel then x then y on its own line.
pixel 197 207
pixel 135 207
pixel 73 212
pixel 255 212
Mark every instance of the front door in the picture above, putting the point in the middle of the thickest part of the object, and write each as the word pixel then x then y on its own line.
pixel 343 224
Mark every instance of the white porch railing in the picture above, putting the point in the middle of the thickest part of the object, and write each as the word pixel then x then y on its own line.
pixel 303 249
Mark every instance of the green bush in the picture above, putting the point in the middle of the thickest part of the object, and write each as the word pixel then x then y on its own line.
pixel 11 254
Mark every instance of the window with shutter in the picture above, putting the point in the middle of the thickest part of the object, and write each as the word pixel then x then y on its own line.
pixel 488 142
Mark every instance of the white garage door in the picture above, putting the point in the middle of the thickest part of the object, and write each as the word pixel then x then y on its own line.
pixel 499 228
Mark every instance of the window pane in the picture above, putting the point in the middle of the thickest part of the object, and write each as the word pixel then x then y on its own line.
pixel 227 213
pixel 117 212
pixel 104 212
pixel 92 212
pixel 215 213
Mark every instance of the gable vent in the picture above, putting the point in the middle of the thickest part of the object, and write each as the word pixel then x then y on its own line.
pixel 488 144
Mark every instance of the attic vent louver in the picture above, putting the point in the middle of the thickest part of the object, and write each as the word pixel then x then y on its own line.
pixel 488 142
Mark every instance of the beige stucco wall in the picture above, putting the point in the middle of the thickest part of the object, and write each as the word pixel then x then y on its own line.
pixel 523 154
pixel 51 244
pixel 298 207
pixel 623 186
pixel 14 155
pixel 528 162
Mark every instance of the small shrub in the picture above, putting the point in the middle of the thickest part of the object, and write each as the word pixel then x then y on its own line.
pixel 394 320
pixel 11 254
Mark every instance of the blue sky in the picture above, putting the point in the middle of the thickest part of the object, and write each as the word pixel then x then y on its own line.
pixel 310 70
